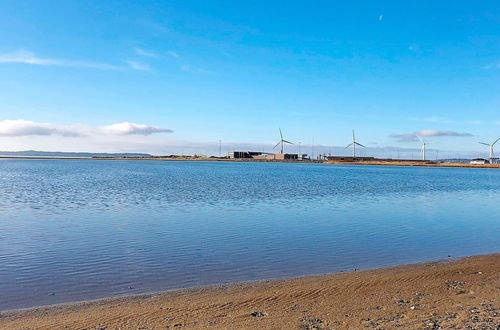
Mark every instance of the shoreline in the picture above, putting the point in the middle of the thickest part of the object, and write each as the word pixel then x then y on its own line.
pixel 407 163
pixel 415 164
pixel 459 292
pixel 224 285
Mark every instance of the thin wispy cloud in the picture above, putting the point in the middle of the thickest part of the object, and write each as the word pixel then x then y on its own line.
pixel 414 48
pixel 441 120
pixel 191 69
pixel 155 27
pixel 492 66
pixel 27 57
pixel 407 137
pixel 380 18
pixel 139 66
pixel 435 119
pixel 146 53
pixel 173 54
pixel 474 122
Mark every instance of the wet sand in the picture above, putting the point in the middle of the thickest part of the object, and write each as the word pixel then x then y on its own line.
pixel 460 294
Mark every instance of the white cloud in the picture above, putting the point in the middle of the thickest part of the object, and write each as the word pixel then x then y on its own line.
pixel 126 128
pixel 380 18
pixel 20 127
pixel 139 66
pixel 26 57
pixel 121 137
pixel 427 133
pixel 143 52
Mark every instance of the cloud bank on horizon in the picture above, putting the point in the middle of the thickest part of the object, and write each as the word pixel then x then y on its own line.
pixel 406 137
pixel 23 128
pixel 134 137
pixel 20 127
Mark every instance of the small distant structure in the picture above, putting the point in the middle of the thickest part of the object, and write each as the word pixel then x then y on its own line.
pixel 282 143
pixel 490 149
pixel 285 156
pixel 259 155
pixel 269 156
pixel 244 154
pixel 479 161
pixel 354 143
pixel 424 146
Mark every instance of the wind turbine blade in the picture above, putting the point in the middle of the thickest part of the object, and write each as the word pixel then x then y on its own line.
pixel 359 144
pixel 353 137
pixel 277 144
pixel 350 144
pixel 281 134
pixel 486 144
pixel 287 142
pixel 495 141
pixel 419 138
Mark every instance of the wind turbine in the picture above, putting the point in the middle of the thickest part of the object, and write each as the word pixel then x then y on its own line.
pixel 490 147
pixel 282 142
pixel 424 144
pixel 354 144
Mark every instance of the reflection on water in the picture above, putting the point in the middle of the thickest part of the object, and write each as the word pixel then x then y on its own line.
pixel 85 229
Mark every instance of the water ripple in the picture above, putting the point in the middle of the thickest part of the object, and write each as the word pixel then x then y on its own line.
pixel 76 229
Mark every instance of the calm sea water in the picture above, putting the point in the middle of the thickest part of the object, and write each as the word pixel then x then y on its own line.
pixel 84 229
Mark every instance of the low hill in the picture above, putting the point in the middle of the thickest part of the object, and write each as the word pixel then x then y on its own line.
pixel 34 153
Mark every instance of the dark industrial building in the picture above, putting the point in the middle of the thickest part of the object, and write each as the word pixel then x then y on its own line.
pixel 243 154
pixel 264 155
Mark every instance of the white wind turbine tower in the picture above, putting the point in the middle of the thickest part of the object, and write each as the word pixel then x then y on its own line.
pixel 354 144
pixel 424 144
pixel 282 142
pixel 490 147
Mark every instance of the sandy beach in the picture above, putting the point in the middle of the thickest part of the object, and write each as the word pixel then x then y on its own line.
pixel 446 294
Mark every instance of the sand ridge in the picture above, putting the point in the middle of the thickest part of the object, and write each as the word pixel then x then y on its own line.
pixel 463 294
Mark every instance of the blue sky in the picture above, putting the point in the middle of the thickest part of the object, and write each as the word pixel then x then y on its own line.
pixel 180 75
